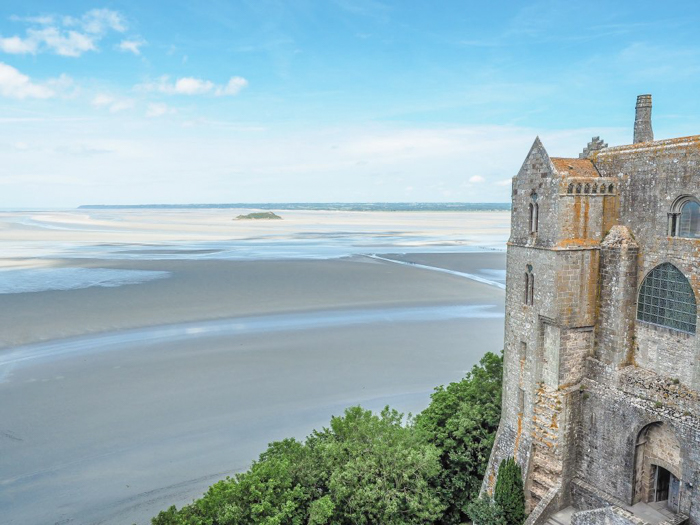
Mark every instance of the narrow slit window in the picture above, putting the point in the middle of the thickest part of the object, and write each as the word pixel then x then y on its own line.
pixel 526 298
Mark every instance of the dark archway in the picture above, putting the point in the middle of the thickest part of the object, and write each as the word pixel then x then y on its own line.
pixel 657 466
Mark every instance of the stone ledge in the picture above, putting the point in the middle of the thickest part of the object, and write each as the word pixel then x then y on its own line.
pixel 612 515
pixel 588 497
pixel 545 508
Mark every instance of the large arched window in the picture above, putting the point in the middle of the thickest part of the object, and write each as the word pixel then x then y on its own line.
pixel 667 299
pixel 684 218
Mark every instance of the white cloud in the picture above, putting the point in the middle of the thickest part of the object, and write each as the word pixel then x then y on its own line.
pixel 158 110
pixel 18 46
pixel 91 160
pixel 40 20
pixel 14 84
pixel 69 44
pixel 504 182
pixel 132 46
pixel 121 105
pixel 233 87
pixel 114 105
pixel 194 86
pixel 476 178
pixel 99 21
pixel 65 36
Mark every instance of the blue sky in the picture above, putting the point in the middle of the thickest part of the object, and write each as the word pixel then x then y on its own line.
pixel 366 100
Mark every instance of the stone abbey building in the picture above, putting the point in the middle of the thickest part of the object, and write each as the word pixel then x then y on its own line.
pixel 601 404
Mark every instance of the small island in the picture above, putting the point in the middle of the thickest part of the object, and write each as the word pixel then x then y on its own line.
pixel 261 215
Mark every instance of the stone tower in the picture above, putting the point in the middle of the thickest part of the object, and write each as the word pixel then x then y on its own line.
pixel 601 395
pixel 642 120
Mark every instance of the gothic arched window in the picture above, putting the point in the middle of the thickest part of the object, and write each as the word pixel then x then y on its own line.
pixel 690 220
pixel 534 210
pixel 667 299
pixel 684 218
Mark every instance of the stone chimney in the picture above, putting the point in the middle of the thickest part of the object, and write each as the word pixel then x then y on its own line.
pixel 642 120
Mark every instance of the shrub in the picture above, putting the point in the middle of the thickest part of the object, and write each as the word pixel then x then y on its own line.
pixel 483 511
pixel 509 494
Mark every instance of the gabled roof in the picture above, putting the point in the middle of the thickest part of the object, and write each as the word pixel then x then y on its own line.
pixel 574 167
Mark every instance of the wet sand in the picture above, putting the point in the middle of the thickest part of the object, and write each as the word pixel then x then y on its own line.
pixel 216 289
pixel 122 418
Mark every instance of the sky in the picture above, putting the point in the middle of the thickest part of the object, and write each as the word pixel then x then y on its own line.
pixel 133 102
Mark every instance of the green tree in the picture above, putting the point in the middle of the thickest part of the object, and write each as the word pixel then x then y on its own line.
pixel 461 422
pixel 509 494
pixel 381 470
pixel 363 469
pixel 370 468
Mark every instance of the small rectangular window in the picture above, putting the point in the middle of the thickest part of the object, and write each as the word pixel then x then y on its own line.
pixel 521 400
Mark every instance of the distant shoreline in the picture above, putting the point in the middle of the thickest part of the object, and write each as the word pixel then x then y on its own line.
pixel 313 206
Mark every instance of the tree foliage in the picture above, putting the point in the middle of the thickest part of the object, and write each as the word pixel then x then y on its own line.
pixel 461 422
pixel 508 504
pixel 367 468
pixel 509 494
pixel 483 511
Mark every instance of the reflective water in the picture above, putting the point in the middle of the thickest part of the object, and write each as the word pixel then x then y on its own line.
pixel 43 279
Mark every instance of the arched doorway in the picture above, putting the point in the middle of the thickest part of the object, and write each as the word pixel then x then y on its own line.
pixel 658 466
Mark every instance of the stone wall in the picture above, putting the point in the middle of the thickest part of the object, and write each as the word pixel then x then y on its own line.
pixel 669 394
pixel 667 352
pixel 612 421
pixel 582 376
pixel 617 296
pixel 651 176
pixel 585 496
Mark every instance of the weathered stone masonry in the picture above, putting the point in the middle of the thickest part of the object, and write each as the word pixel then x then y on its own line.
pixel 601 402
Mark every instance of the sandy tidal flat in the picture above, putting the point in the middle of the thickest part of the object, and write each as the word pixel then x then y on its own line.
pixel 118 400
pixel 28 237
